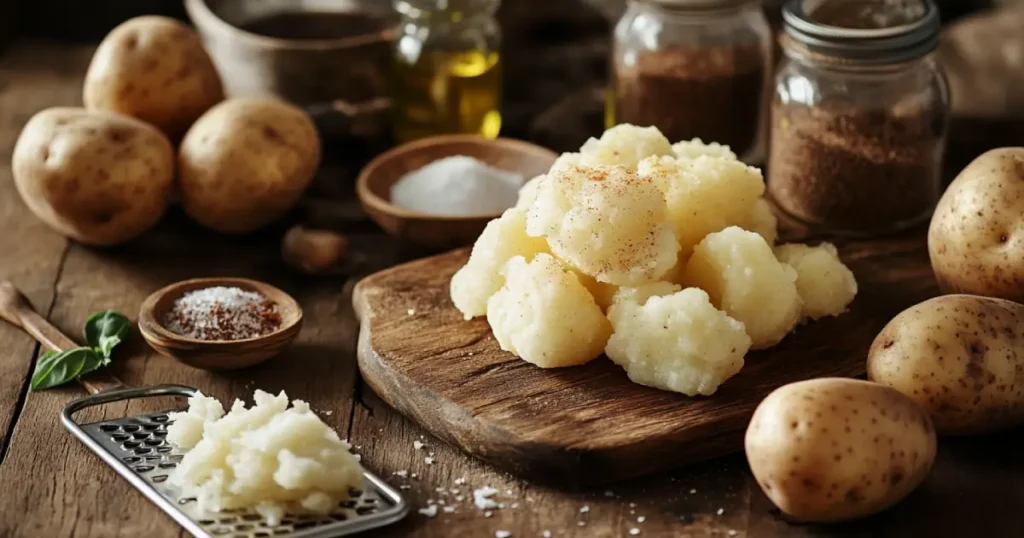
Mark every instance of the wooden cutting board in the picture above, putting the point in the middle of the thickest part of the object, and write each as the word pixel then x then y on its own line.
pixel 589 424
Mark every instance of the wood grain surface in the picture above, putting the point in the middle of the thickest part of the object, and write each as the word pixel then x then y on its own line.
pixel 590 424
pixel 55 488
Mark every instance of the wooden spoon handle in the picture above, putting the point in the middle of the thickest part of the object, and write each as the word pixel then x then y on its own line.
pixel 16 310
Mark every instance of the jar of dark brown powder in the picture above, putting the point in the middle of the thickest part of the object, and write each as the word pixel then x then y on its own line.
pixel 695 69
pixel 859 116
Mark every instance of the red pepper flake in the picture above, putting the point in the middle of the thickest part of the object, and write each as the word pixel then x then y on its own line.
pixel 222 313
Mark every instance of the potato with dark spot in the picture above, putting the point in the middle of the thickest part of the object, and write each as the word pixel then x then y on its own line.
pixel 836 449
pixel 155 69
pixel 246 162
pixel 961 357
pixel 976 237
pixel 97 177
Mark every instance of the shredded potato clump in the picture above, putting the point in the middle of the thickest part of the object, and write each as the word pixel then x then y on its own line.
pixel 741 275
pixel 481 277
pixel 545 315
pixel 606 222
pixel 676 342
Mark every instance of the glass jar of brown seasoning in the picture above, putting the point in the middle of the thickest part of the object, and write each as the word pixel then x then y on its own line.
pixel 859 116
pixel 695 69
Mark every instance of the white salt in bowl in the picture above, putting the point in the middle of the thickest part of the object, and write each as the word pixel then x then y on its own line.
pixel 441 232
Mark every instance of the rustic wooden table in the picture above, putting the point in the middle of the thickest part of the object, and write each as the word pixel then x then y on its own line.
pixel 54 487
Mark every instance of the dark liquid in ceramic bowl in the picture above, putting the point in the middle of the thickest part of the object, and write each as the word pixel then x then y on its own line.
pixel 315 25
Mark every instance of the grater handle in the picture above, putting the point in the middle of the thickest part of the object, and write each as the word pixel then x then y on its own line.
pixel 16 310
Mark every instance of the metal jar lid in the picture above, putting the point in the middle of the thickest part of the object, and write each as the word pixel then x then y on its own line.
pixel 869 39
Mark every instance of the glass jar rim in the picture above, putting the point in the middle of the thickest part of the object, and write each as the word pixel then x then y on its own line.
pixel 702 5
pixel 893 44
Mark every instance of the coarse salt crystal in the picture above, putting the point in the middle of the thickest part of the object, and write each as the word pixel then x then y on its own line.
pixel 641 519
pixel 584 509
pixel 546 534
pixel 502 534
pixel 482 498
pixel 457 185
pixel 721 511
pixel 488 513
pixel 634 531
pixel 429 511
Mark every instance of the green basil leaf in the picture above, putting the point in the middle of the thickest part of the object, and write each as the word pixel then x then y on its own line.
pixel 58 368
pixel 93 361
pixel 44 365
pixel 105 330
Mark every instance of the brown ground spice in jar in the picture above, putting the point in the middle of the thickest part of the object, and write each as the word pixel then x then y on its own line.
pixel 711 93
pixel 860 172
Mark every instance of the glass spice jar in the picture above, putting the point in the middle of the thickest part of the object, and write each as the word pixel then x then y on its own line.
pixel 447 68
pixel 695 69
pixel 859 116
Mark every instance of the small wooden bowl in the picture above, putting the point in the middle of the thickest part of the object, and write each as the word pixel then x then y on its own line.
pixel 217 354
pixel 441 232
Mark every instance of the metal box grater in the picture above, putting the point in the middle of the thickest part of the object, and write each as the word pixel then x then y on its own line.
pixel 137 449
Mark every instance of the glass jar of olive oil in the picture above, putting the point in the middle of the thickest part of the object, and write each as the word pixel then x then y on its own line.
pixel 447 68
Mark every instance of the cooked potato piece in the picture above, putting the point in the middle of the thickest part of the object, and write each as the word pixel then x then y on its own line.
pixel 960 357
pixel 826 286
pixel 155 69
pixel 246 162
pixel 704 195
pixel 640 294
pixel 837 449
pixel 976 237
pixel 762 221
pixel 691 149
pixel 528 192
pixel 545 316
pixel 740 273
pixel 502 239
pixel 601 292
pixel 605 222
pixel 625 145
pixel 678 342
pixel 97 177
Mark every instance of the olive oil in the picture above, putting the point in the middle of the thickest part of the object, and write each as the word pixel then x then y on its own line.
pixel 445 92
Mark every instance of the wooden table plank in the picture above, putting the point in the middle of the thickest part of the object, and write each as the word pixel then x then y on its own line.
pixel 30 251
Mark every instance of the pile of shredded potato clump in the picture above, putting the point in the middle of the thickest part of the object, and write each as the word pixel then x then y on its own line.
pixel 660 255
pixel 270 457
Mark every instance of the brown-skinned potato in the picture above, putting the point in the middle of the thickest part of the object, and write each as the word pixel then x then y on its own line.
pixel 976 237
pixel 155 69
pixel 961 357
pixel 97 177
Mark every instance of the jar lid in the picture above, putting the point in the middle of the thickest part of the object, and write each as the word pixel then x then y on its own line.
pixel 866 31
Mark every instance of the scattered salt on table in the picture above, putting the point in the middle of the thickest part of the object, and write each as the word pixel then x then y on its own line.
pixel 457 185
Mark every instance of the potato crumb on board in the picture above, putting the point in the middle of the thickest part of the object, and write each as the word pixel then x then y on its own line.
pixel 721 511
pixel 488 513
pixel 584 509
pixel 482 498
pixel 732 532
pixel 546 533
pixel 502 534
pixel 418 445
pixel 634 531
pixel 449 509
pixel 641 519
pixel 428 460
pixel 429 511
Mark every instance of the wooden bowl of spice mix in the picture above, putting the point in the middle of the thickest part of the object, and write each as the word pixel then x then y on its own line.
pixel 220 323
pixel 440 192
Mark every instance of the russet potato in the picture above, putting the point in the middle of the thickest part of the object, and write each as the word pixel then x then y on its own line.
pixel 961 357
pixel 97 177
pixel 976 237
pixel 155 69
pixel 835 449
pixel 246 162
